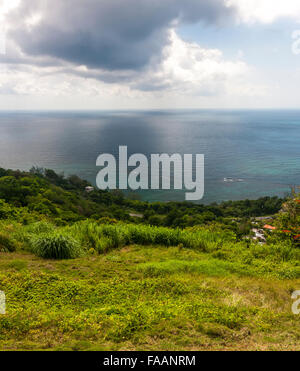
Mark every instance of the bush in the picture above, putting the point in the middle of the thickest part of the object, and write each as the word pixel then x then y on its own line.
pixel 106 237
pixel 25 235
pixel 40 227
pixel 7 244
pixel 6 210
pixel 105 244
pixel 55 246
pixel 107 220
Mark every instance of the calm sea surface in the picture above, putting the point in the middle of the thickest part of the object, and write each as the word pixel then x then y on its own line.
pixel 258 150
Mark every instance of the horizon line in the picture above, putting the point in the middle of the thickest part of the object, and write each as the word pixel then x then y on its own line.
pixel 148 109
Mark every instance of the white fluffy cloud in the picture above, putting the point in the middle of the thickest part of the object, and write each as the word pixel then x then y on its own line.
pixel 168 67
pixel 190 69
pixel 186 68
pixel 266 11
pixel 93 42
pixel 6 6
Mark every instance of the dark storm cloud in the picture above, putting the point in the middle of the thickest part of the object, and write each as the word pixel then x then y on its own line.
pixel 107 34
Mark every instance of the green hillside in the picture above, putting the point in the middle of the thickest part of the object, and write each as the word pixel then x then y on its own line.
pixel 99 271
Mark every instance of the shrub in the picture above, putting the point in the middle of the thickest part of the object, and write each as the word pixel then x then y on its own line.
pixel 7 244
pixel 55 246
pixel 107 220
pixel 88 235
pixel 25 235
pixel 40 227
pixel 105 237
pixel 105 244
pixel 6 210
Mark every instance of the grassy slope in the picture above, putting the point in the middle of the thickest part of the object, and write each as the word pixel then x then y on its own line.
pixel 145 298
pixel 218 294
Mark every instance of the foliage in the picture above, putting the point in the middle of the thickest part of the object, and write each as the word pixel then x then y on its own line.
pixel 55 246
pixel 64 200
pixel 105 237
pixel 181 277
pixel 7 244
pixel 147 298
pixel 288 222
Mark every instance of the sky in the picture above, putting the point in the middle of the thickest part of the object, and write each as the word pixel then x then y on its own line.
pixel 149 54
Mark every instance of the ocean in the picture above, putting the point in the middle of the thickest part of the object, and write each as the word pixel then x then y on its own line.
pixel 248 154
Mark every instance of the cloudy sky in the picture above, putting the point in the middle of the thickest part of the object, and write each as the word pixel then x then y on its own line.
pixel 127 54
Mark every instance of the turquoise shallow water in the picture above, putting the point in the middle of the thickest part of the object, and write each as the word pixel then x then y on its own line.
pixel 261 148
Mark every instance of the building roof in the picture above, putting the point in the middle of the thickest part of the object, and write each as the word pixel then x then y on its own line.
pixel 269 227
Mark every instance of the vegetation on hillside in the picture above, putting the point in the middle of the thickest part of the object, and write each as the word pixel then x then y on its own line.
pixel 27 196
pixel 148 298
pixel 80 273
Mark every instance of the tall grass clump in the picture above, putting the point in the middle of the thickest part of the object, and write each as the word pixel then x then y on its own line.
pixel 280 252
pixel 105 237
pixel 26 233
pixel 90 236
pixel 40 227
pixel 55 245
pixel 7 244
